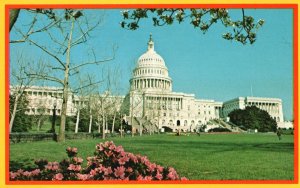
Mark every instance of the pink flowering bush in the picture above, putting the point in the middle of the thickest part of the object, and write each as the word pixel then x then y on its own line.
pixel 110 162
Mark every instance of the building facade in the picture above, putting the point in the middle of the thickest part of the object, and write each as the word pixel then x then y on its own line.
pixel 152 98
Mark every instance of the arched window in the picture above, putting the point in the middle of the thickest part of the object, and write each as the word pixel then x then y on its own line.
pixel 178 123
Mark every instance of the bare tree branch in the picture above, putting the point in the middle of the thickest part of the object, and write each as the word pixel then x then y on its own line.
pixel 48 52
pixel 45 77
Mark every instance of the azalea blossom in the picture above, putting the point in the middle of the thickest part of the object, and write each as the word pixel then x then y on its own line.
pixel 82 176
pixel 123 160
pixel 158 176
pixel 119 172
pixel 58 176
pixel 77 160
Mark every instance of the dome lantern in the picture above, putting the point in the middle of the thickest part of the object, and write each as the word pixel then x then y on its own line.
pixel 150 44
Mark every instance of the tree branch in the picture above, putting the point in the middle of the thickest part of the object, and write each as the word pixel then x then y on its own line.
pixel 90 63
pixel 45 77
pixel 48 52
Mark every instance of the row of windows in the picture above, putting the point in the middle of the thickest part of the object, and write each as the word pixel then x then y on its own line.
pixel 150 59
pixel 42 111
pixel 149 71
pixel 184 122
pixel 44 93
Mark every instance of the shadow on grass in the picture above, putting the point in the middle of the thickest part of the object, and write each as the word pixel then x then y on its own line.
pixel 225 146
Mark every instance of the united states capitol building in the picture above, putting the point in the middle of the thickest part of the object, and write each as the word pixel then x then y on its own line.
pixel 152 101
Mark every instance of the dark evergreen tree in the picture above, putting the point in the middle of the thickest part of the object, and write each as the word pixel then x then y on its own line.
pixel 253 118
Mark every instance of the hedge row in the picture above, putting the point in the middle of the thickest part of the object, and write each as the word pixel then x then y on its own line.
pixel 32 137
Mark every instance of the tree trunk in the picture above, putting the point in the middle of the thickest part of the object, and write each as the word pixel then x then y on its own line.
pixel 141 125
pixel 13 16
pixel 77 120
pixel 106 124
pixel 39 125
pixel 13 114
pixel 61 135
pixel 103 127
pixel 99 127
pixel 121 131
pixel 90 125
pixel 113 123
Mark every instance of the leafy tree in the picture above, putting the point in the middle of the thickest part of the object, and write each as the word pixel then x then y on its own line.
pixel 243 30
pixel 253 118
pixel 22 122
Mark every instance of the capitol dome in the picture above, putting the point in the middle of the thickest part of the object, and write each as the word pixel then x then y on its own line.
pixel 151 72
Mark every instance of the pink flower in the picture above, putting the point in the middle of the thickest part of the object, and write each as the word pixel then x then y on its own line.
pixel 119 172
pixel 99 147
pixel 112 147
pixel 82 177
pixel 123 153
pixel 133 158
pixel 108 154
pixel 129 169
pixel 74 167
pixel 52 166
pixel 119 149
pixel 20 171
pixel 159 176
pixel 147 178
pixel 123 160
pixel 151 166
pixel 93 172
pixel 35 172
pixel 26 173
pixel 58 176
pixel 71 151
pixel 171 176
pixel 159 168
pixel 108 171
pixel 183 179
pixel 13 175
pixel 140 177
pixel 77 160
pixel 144 159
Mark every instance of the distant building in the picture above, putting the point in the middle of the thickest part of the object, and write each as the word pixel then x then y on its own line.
pixel 272 105
pixel 45 97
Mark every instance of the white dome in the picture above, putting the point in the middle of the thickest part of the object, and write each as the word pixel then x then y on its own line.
pixel 150 59
pixel 151 72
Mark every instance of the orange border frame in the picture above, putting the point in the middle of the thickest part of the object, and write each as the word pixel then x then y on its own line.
pixel 294 7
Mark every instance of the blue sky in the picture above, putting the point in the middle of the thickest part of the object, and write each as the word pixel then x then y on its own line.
pixel 203 64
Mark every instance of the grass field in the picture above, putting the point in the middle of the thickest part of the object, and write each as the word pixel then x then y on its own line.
pixel 208 157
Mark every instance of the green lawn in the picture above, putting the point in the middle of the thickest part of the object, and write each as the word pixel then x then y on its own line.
pixel 209 156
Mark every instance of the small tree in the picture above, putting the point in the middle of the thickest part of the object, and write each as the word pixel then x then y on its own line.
pixel 40 116
pixel 21 82
pixel 22 121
